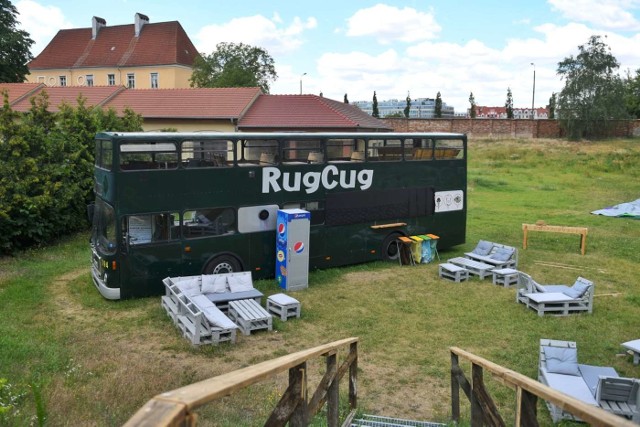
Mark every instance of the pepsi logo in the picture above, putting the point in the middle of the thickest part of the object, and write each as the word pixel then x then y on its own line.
pixel 298 247
pixel 281 229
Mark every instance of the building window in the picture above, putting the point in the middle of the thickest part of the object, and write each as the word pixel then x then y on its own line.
pixel 131 81
pixel 154 80
pixel 89 79
pixel 111 79
pixel 63 80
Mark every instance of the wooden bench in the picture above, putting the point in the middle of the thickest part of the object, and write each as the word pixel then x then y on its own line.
pixel 249 316
pixel 540 226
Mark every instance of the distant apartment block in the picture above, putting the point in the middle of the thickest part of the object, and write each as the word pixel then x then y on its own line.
pixel 483 112
pixel 421 108
pixel 141 55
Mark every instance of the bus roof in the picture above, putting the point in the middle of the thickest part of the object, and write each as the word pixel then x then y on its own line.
pixel 277 135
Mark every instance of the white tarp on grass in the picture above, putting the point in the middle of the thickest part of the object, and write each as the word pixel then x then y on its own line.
pixel 628 210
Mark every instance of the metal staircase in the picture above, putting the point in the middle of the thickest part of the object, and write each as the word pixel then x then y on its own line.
pixel 377 421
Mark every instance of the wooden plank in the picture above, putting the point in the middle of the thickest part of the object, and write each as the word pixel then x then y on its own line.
pixel 208 390
pixel 390 225
pixel 582 231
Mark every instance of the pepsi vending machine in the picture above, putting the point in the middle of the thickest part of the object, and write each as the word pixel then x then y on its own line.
pixel 292 249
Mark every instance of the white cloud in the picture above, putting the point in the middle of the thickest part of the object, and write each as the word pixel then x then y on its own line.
pixel 388 24
pixel 605 14
pixel 41 22
pixel 257 30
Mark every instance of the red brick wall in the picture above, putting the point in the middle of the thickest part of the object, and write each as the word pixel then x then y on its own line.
pixel 501 128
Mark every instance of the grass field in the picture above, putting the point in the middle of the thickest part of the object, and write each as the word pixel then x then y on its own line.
pixel 69 357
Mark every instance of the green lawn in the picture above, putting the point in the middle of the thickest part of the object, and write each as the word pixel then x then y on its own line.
pixel 73 358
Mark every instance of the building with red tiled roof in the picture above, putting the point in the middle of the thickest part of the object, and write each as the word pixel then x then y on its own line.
pixel 194 109
pixel 310 113
pixel 139 55
pixel 483 112
pixel 207 109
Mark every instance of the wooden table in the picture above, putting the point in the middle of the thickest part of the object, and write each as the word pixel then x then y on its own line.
pixel 582 231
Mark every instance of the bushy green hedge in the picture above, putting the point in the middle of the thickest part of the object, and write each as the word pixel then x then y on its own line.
pixel 46 168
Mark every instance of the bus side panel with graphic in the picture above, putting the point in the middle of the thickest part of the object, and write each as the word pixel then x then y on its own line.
pixel 179 204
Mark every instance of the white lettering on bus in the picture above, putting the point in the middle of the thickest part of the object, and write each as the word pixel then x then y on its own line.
pixel 330 177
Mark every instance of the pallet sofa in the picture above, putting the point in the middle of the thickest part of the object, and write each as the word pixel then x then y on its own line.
pixel 599 386
pixel 198 305
pixel 498 255
pixel 560 300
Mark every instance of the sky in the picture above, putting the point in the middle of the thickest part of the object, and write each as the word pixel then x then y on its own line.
pixel 395 48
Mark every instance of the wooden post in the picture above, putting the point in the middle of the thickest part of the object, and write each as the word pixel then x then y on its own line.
pixel 333 398
pixel 455 390
pixel 476 383
pixel 353 376
pixel 298 383
pixel 526 410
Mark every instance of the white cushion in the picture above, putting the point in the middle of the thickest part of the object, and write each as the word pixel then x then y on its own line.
pixel 562 360
pixel 201 302
pixel 283 299
pixel 217 318
pixel 214 284
pixel 189 287
pixel 240 282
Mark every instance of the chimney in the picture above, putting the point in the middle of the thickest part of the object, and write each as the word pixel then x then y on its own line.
pixel 140 20
pixel 96 24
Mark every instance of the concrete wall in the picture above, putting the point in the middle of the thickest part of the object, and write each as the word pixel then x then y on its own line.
pixel 501 128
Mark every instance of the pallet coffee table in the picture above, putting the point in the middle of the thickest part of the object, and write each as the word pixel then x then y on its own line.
pixel 249 316
pixel 480 269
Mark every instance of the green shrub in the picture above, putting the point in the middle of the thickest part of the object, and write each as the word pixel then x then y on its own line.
pixel 46 169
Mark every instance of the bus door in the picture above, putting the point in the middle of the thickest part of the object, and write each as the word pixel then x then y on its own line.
pixel 153 252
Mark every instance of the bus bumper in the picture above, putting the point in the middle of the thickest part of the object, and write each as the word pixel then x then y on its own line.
pixel 108 293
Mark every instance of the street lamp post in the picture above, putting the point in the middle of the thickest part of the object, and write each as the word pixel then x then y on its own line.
pixel 533 99
pixel 303 74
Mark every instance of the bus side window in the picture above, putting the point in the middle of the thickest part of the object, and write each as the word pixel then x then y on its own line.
pixel 144 229
pixel 209 222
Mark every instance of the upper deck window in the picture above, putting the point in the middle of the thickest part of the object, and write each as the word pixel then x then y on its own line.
pixel 148 155
pixel 207 153
pixel 104 154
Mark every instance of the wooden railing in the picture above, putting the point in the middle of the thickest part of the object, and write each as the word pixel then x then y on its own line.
pixel 176 407
pixel 485 412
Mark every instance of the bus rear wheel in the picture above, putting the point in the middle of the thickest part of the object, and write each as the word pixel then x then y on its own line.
pixel 222 264
pixel 390 247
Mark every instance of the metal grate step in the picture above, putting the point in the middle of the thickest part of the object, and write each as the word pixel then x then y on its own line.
pixel 377 421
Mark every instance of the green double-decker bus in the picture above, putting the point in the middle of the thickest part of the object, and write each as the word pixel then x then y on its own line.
pixel 181 204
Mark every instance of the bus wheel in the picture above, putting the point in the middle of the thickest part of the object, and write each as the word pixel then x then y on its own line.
pixel 390 247
pixel 222 264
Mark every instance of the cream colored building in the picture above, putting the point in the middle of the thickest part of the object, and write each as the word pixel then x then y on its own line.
pixel 141 55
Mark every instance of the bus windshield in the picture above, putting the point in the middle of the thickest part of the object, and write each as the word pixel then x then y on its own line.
pixel 104 227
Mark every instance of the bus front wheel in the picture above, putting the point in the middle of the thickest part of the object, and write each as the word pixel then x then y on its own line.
pixel 222 264
pixel 390 247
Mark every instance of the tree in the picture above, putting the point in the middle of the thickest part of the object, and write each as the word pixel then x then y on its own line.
pixel 593 93
pixel 472 108
pixel 632 94
pixel 407 109
pixel 438 106
pixel 14 46
pixel 346 100
pixel 234 65
pixel 551 108
pixel 508 105
pixel 376 112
